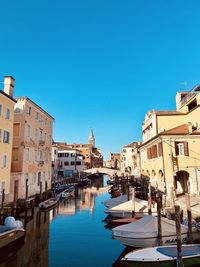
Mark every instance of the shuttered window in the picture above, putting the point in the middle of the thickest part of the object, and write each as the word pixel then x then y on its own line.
pixel 160 150
pixel 181 149
pixel 16 128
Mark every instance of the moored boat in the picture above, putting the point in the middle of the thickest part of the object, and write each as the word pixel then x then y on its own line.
pixel 144 232
pixel 163 256
pixel 11 231
pixel 49 203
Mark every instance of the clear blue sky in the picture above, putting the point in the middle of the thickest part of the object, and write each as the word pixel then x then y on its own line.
pixel 100 63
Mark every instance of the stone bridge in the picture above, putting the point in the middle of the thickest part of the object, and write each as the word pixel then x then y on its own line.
pixel 102 170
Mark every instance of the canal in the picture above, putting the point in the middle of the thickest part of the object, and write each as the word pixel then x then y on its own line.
pixel 72 235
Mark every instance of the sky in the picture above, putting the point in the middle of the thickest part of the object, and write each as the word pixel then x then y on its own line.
pixel 100 64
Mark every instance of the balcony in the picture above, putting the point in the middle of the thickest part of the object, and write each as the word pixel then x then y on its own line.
pixel 41 143
pixel 41 163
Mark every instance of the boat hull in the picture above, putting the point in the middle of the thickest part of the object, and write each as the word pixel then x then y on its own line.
pixel 148 242
pixel 10 236
pixel 170 263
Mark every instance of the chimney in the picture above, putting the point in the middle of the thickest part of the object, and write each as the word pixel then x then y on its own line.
pixel 190 127
pixel 9 85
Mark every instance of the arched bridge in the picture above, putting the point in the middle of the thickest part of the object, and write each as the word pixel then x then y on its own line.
pixel 102 170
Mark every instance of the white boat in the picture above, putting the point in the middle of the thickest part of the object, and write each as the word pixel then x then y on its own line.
pixel 163 256
pixel 115 201
pixel 125 210
pixel 11 231
pixel 49 203
pixel 144 232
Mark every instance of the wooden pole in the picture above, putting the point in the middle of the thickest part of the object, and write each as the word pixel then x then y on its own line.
pixel 179 261
pixel 133 201
pixel 189 215
pixel 159 207
pixel 26 194
pixel 149 200
pixel 172 201
pixel 128 192
pixel 46 190
pixel 40 191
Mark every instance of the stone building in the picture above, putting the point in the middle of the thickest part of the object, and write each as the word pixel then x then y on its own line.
pixel 32 144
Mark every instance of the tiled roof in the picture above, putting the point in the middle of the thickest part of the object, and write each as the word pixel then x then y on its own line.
pixel 181 129
pixel 134 144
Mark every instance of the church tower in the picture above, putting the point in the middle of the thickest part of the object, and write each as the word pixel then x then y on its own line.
pixel 92 139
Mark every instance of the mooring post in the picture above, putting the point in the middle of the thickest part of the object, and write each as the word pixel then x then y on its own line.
pixel 46 190
pixel 41 191
pixel 172 201
pixel 2 203
pixel 159 208
pixel 189 215
pixel 133 201
pixel 128 192
pixel 179 261
pixel 149 199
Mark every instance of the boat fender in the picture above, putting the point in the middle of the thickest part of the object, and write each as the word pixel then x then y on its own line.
pixel 10 222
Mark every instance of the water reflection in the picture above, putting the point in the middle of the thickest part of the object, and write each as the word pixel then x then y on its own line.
pixel 38 248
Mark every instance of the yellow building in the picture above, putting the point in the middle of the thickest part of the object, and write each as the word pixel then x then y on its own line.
pixel 171 140
pixel 6 134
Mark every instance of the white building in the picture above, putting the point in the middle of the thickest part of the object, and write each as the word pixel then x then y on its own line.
pixel 70 161
pixel 130 159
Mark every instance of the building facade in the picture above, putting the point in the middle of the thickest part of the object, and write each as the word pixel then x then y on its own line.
pixel 32 148
pixel 130 159
pixel 169 153
pixel 7 103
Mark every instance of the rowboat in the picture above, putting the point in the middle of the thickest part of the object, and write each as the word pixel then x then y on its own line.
pixel 49 203
pixel 163 256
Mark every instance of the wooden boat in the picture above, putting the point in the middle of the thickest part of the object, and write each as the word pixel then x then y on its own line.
pixel 144 232
pixel 163 256
pixel 49 203
pixel 9 235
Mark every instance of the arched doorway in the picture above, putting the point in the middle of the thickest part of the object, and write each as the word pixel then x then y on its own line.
pixel 183 178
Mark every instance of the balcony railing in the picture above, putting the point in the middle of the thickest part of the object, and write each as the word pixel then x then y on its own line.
pixel 186 98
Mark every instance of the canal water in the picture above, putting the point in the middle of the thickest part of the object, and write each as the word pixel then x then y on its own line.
pixel 72 235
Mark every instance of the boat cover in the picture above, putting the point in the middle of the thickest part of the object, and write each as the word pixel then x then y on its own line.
pixel 140 206
pixel 187 250
pixel 147 227
pixel 115 201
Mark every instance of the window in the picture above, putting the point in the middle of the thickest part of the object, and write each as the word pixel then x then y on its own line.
pixel 27 154
pixel 28 130
pixel 16 128
pixel 5 161
pixel 72 163
pixel 0 135
pixel 181 149
pixel 36 154
pixel 6 137
pixel 29 110
pixel 66 155
pixel 78 163
pixel 1 109
pixel 15 154
pixel 160 151
pixel 66 163
pixel 37 116
pixel 7 114
pixel 36 134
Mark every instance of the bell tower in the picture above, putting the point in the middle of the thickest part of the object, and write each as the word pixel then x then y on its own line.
pixel 91 138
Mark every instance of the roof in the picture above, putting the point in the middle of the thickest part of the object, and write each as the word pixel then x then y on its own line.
pixel 134 144
pixel 26 98
pixel 168 112
pixel 8 96
pixel 182 129
pixel 67 149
